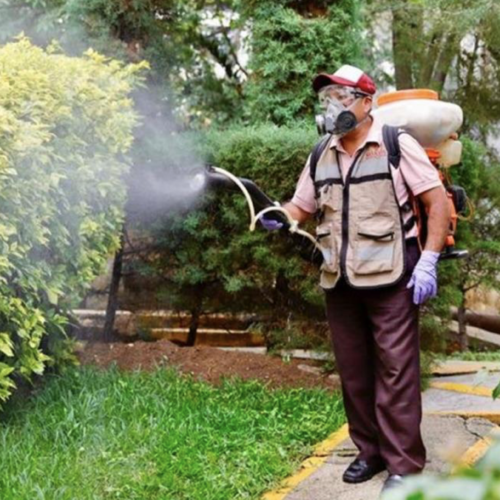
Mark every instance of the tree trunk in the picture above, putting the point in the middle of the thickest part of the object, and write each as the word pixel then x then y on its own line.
pixel 280 299
pixel 462 327
pixel 488 322
pixel 429 60
pixel 193 327
pixel 451 48
pixel 116 276
pixel 401 48
pixel 195 316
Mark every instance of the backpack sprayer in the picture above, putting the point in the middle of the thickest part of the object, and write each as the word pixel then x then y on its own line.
pixel 434 124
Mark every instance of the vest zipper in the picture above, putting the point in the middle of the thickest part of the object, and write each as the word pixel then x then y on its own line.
pixel 345 210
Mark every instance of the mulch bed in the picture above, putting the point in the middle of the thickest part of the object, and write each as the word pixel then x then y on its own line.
pixel 204 363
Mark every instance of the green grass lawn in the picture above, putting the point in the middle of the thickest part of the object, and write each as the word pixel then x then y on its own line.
pixel 472 356
pixel 110 435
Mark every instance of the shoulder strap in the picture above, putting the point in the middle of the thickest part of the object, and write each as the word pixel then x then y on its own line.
pixel 316 154
pixel 391 141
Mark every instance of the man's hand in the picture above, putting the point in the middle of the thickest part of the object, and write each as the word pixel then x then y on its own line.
pixel 270 224
pixel 424 277
pixel 295 212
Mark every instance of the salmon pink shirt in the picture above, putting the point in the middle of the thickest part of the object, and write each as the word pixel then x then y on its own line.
pixel 415 173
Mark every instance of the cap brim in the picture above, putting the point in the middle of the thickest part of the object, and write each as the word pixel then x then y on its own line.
pixel 323 79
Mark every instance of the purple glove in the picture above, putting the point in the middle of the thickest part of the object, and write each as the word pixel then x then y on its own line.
pixel 270 224
pixel 424 277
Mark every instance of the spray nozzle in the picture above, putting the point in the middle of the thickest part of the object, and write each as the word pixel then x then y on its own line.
pixel 213 178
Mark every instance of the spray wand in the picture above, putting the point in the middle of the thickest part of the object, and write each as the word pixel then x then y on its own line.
pixel 218 177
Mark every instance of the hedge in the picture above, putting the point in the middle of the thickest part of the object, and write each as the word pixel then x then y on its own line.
pixel 65 126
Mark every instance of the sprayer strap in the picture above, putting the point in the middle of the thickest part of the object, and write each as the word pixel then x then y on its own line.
pixel 316 154
pixel 391 142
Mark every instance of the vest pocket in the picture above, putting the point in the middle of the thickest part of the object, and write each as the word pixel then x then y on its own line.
pixel 375 244
pixel 326 240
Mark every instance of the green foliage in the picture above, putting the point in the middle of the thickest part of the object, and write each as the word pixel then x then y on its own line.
pixel 289 49
pixel 473 356
pixel 479 174
pixel 451 46
pixel 198 49
pixel 65 124
pixel 307 334
pixel 158 436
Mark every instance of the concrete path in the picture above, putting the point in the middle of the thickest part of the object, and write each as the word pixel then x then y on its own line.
pixel 451 433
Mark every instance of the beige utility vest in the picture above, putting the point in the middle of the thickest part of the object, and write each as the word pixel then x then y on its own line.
pixel 361 229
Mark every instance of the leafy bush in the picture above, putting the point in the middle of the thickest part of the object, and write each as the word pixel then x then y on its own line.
pixel 65 124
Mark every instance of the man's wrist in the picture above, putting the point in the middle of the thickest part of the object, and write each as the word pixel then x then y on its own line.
pixel 430 256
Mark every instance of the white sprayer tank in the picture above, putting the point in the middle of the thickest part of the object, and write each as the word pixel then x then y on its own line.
pixel 431 121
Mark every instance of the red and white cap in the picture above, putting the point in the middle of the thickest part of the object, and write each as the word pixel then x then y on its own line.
pixel 346 75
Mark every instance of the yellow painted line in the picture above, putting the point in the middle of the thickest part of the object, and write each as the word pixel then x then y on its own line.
pixel 463 388
pixel 476 451
pixel 320 454
pixel 324 449
pixel 493 417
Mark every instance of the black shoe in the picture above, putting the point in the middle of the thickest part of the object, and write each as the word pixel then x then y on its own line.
pixel 392 481
pixel 360 471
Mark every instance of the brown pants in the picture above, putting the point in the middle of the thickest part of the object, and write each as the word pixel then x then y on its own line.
pixel 375 339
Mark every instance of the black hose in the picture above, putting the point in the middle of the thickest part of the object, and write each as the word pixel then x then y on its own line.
pixel 260 200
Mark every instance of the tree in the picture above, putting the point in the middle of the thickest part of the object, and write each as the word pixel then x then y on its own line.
pixel 204 259
pixel 290 43
pixel 192 46
pixel 447 45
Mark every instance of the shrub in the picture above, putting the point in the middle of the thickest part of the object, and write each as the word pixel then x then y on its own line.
pixel 65 125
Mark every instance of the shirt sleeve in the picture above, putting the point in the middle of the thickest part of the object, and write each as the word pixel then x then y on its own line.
pixel 304 196
pixel 418 172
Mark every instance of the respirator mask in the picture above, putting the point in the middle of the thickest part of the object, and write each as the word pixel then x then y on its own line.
pixel 337 118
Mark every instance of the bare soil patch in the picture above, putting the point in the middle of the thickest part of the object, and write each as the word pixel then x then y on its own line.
pixel 204 363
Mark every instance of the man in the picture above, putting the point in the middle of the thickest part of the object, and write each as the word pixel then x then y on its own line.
pixel 373 273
